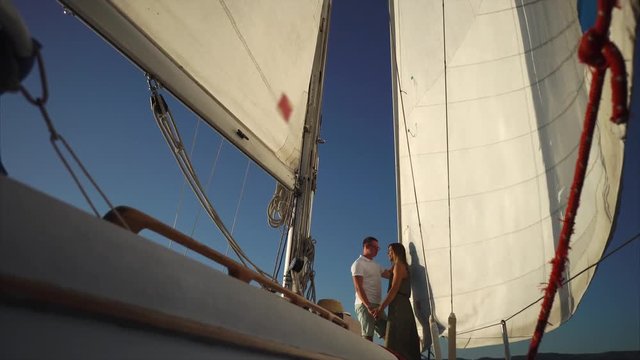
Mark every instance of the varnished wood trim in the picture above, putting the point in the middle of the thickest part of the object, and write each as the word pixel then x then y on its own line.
pixel 138 221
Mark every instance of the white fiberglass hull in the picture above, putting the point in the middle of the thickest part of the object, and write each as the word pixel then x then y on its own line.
pixel 73 286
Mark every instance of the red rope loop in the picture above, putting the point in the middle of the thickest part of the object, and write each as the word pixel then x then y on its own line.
pixel 590 49
pixel 594 39
pixel 598 51
pixel 615 62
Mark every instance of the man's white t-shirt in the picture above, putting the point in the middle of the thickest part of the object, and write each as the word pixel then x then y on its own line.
pixel 371 273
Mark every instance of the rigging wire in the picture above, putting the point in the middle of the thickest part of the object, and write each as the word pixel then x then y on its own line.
pixel 446 122
pixel 169 130
pixel 206 188
pixel 235 216
pixel 184 183
pixel 40 103
pixel 277 265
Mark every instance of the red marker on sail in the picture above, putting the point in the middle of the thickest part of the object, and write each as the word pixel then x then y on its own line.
pixel 284 105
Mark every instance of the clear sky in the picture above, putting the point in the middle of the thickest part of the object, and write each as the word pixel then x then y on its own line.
pixel 99 102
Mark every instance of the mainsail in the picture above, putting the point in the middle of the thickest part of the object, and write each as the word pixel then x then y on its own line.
pixel 242 66
pixel 252 70
pixel 489 99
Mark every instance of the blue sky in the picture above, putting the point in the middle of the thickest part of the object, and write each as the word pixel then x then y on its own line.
pixel 100 103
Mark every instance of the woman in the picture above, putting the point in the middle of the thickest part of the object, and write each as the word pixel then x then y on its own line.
pixel 402 335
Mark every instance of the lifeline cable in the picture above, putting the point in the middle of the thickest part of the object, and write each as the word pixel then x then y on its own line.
pixel 54 136
pixel 620 247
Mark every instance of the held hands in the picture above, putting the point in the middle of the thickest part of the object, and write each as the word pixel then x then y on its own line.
pixel 373 311
pixel 376 312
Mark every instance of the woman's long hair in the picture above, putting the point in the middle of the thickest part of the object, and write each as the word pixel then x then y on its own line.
pixel 400 253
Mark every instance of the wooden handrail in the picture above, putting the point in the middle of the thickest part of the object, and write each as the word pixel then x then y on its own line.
pixel 138 221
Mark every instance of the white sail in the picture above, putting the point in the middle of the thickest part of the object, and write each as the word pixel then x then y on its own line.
pixel 243 66
pixel 486 151
pixel 126 296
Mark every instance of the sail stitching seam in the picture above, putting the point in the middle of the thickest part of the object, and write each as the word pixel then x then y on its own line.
pixel 246 47
pixel 538 175
pixel 525 52
pixel 545 125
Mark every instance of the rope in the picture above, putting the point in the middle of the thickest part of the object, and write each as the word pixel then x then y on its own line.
pixel 279 210
pixel 279 213
pixel 55 136
pixel 206 189
pixel 308 275
pixel 184 183
pixel 169 130
pixel 193 145
pixel 597 51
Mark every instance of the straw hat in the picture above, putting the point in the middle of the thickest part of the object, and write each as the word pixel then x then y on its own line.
pixel 332 305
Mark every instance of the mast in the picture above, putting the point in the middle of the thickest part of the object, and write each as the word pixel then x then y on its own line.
pixel 298 269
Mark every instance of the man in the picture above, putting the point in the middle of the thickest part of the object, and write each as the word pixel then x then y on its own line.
pixel 367 276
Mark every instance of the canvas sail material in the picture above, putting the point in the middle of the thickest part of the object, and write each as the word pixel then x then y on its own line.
pixel 243 66
pixel 485 154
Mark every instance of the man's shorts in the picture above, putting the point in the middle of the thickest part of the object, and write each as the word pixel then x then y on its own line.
pixel 368 323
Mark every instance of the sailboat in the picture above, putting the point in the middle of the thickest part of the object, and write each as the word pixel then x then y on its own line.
pixel 101 274
pixel 82 277
pixel 488 113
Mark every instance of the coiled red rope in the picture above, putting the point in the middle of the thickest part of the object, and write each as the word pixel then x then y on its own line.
pixel 597 51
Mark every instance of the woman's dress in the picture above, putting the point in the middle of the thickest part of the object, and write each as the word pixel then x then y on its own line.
pixel 402 334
